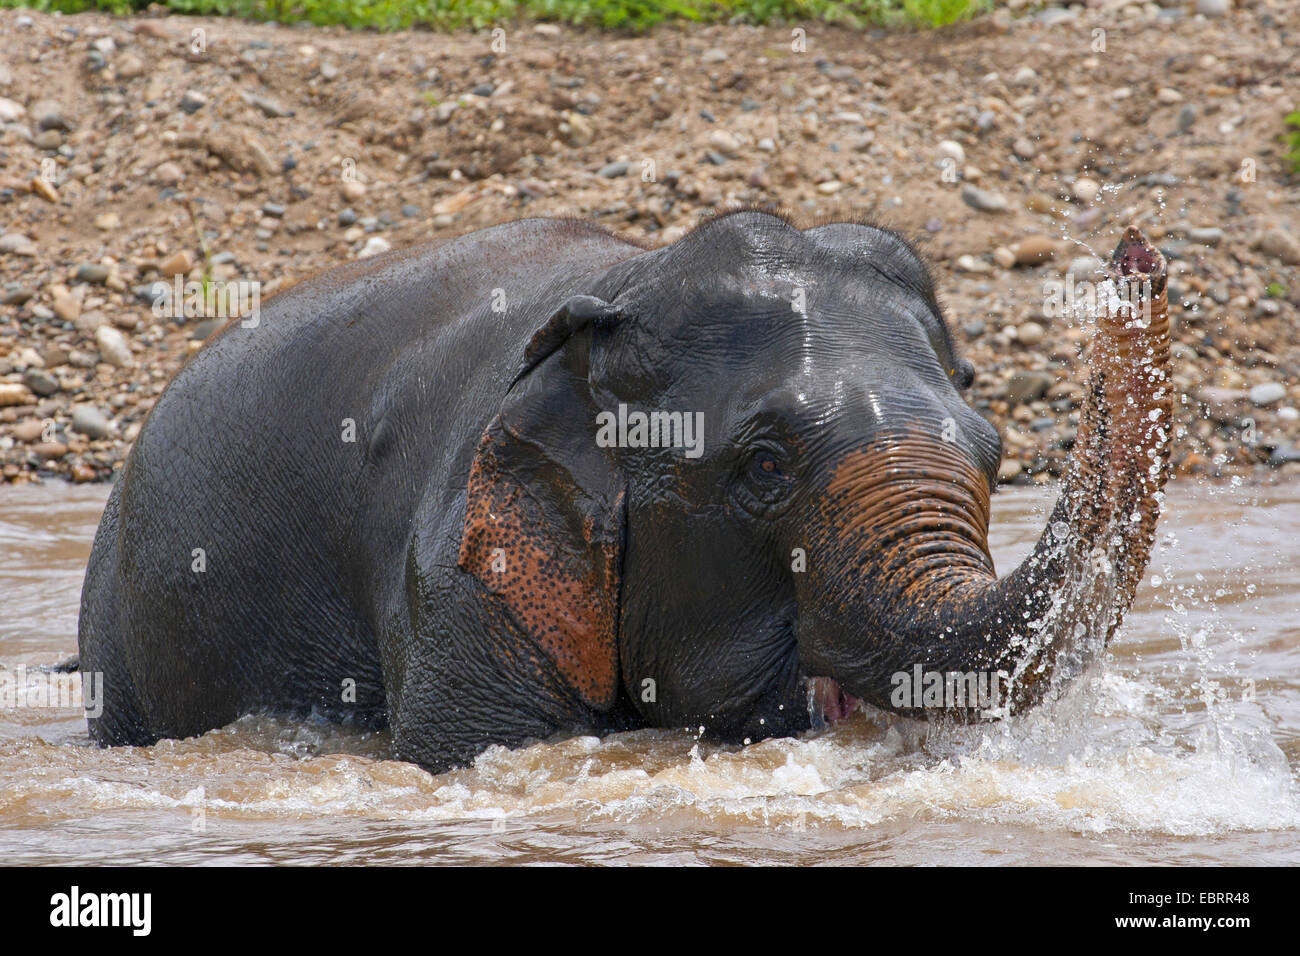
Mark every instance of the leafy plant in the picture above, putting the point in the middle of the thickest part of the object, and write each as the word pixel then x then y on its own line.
pixel 1292 139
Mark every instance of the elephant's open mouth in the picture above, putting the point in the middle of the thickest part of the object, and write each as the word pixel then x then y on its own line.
pixel 828 702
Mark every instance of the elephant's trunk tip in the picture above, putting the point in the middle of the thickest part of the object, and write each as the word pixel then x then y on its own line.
pixel 1136 256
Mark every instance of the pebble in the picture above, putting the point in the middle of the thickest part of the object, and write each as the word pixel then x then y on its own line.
pixel 15 393
pixel 178 263
pixel 1030 333
pixel 15 243
pixel 1261 395
pixel 1279 245
pixel 983 199
pixel 1025 387
pixel 951 149
pixel 352 190
pixel 1023 148
pixel 1213 8
pixel 374 246
pixel 1085 190
pixel 113 347
pixel 613 170
pixel 1034 249
pixel 168 174
pixel 192 101
pixel 1186 118
pixel 91 272
pixel 347 217
pixel 40 381
pixel 29 431
pixel 1208 236
pixel 90 421
pixel 1009 470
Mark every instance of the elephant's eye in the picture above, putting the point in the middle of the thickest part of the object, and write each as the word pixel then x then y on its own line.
pixel 765 463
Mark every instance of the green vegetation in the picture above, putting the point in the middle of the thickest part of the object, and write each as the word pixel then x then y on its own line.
pixel 1292 140
pixel 632 15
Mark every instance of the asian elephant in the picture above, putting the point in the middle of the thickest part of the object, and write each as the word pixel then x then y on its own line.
pixel 539 480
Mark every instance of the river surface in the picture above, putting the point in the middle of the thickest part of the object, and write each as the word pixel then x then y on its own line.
pixel 1182 746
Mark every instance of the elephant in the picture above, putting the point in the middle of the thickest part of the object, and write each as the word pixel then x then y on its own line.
pixel 540 480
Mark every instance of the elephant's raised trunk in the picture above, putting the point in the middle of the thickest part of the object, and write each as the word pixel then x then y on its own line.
pixel 912 511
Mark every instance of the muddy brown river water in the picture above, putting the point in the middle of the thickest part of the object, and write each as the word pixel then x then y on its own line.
pixel 1181 747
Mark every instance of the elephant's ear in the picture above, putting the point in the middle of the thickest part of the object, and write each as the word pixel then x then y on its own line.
pixel 544 516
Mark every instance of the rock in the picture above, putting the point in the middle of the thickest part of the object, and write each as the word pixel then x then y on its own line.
pixel 1168 96
pixel 1030 333
pixel 90 421
pixel 113 347
pixel 577 130
pixel 108 222
pixel 347 217
pixel 65 305
pixel 1004 257
pixel 15 393
pixel 192 101
pixel 129 67
pixel 1085 190
pixel 16 244
pixel 91 272
pixel 1288 413
pixel 1034 249
pixel 40 381
pixel 48 139
pixel 168 174
pixel 1024 148
pixel 29 431
pixel 613 170
pixel 951 149
pixel 352 190
pixel 1208 236
pixel 11 111
pixel 270 108
pixel 1213 8
pixel 374 246
pixel 968 263
pixel 1279 245
pixel 1261 395
pixel 724 143
pixel 274 210
pixel 47 114
pixel 714 55
pixel 1025 76
pixel 1025 387
pixel 178 263
pixel 1084 266
pixel 15 296
pixel 1284 454
pixel 984 200
pixel 44 188
pixel 50 450
pixel 1009 471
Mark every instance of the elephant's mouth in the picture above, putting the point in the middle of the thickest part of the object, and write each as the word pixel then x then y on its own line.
pixel 828 702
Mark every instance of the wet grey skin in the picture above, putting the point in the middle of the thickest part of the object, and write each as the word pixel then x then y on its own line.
pixel 481 571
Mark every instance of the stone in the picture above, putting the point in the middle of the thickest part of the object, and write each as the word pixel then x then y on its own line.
pixel 374 246
pixel 113 347
pixel 1213 8
pixel 168 174
pixel 1030 333
pixel 1009 470
pixel 1025 387
pixel 90 421
pixel 352 190
pixel 15 393
pixel 192 101
pixel 1004 257
pixel 1265 394
pixel 951 149
pixel 16 244
pixel 1085 190
pixel 1024 148
pixel 1279 245
pixel 1208 236
pixel 91 272
pixel 984 200
pixel 178 263
pixel 40 381
pixel 1033 250
pixel 613 170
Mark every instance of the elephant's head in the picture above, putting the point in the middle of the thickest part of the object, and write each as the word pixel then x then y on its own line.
pixel 829 531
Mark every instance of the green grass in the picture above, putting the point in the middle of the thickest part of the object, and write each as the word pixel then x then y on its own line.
pixel 631 15
pixel 1292 140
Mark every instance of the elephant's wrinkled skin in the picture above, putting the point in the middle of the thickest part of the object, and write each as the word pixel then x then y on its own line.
pixel 485 571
